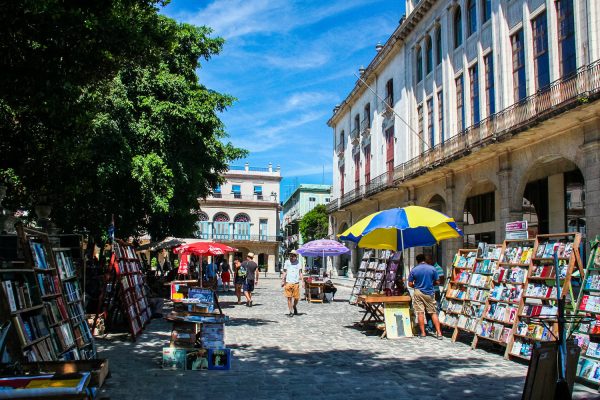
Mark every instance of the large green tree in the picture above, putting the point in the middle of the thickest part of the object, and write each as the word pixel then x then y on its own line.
pixel 124 126
pixel 314 224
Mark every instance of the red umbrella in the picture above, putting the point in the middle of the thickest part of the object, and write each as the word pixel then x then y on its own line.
pixel 204 248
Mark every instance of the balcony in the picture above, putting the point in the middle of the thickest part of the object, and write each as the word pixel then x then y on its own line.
pixel 352 196
pixel 365 127
pixel 387 107
pixel 236 237
pixel 354 136
pixel 560 96
pixel 339 149
pixel 379 183
pixel 242 197
pixel 332 206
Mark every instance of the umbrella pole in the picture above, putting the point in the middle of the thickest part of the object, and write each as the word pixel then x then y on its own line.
pixel 403 258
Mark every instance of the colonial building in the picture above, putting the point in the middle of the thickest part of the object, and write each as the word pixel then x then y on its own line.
pixel 303 199
pixel 486 110
pixel 244 213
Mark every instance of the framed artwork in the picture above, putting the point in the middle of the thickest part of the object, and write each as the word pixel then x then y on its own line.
pixel 398 323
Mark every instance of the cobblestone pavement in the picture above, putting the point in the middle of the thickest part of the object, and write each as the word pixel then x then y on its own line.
pixel 318 354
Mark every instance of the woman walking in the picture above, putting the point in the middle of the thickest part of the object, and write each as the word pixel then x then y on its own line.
pixel 239 277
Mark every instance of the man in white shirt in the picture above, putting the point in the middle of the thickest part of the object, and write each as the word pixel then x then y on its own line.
pixel 292 276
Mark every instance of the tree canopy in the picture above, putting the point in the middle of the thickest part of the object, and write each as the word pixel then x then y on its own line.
pixel 314 224
pixel 103 114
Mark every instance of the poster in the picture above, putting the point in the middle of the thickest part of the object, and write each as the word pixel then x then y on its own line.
pixel 397 320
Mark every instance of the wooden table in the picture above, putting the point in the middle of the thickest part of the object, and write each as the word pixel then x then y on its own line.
pixel 318 286
pixel 374 308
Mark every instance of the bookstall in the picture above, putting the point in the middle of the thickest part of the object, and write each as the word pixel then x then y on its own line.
pixel 453 300
pixel 371 273
pixel 508 272
pixel 537 312
pixel 587 334
pixel 198 332
pixel 124 296
pixel 41 305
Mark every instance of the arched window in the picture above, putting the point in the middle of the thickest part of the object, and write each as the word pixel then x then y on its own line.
pixel 389 95
pixel 202 216
pixel 366 122
pixel 221 217
pixel 241 217
pixel 457 25
pixel 341 142
pixel 486 10
pixel 429 55
pixel 438 46
pixel 419 64
pixel 471 17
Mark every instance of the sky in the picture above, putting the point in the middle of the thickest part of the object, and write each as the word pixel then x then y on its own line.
pixel 288 63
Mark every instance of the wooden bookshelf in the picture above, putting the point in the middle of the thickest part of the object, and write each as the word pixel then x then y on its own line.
pixel 589 359
pixel 455 296
pixel 124 296
pixel 71 285
pixel 508 273
pixel 537 312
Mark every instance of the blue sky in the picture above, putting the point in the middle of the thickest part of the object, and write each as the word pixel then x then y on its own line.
pixel 288 63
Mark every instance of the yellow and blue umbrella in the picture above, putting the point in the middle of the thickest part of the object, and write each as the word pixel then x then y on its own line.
pixel 402 228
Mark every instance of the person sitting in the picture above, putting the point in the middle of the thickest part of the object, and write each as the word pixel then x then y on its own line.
pixel 329 287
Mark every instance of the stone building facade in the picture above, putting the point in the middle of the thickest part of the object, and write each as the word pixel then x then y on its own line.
pixel 244 213
pixel 486 110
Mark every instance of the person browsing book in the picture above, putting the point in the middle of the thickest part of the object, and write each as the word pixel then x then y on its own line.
pixel 292 276
pixel 422 278
pixel 250 268
pixel 239 277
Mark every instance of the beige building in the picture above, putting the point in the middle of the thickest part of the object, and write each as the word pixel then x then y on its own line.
pixel 244 213
pixel 486 110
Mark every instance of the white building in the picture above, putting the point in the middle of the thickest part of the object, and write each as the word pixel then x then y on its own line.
pixel 302 200
pixel 244 213
pixel 476 107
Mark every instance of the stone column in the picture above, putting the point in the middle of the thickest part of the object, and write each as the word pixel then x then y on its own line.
pixel 507 209
pixel 590 156
pixel 455 211
pixel 271 263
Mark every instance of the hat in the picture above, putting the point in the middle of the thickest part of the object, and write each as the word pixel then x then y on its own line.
pixel 293 252
pixel 251 255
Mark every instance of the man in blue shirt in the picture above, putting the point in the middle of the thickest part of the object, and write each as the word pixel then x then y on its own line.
pixel 422 278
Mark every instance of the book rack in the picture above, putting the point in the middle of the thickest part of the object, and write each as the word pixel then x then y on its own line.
pixel 371 274
pixel 75 302
pixel 453 300
pixel 587 334
pixel 36 302
pixel 537 312
pixel 124 295
pixel 507 272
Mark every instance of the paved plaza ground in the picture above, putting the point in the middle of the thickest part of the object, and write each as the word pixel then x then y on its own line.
pixel 316 355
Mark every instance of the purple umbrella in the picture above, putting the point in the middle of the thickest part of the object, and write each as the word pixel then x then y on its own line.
pixel 322 248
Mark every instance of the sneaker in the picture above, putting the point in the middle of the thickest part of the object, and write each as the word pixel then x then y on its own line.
pixel 250 303
pixel 422 336
pixel 295 311
pixel 291 314
pixel 439 337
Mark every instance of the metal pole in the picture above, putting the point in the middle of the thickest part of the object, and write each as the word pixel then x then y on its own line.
pixel 562 387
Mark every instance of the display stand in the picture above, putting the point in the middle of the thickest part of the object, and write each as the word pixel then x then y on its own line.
pixel 75 302
pixel 371 274
pixel 508 275
pixel 124 296
pixel 538 309
pixel 453 300
pixel 587 334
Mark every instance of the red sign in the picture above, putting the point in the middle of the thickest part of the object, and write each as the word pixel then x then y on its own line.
pixel 516 226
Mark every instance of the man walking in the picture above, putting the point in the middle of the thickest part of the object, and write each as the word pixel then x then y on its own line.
pixel 292 276
pixel 250 267
pixel 422 278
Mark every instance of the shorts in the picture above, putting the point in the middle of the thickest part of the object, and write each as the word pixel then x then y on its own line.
pixel 239 280
pixel 292 290
pixel 424 303
pixel 249 286
pixel 225 277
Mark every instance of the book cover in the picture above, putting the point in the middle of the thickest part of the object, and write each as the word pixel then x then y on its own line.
pixel 540 250
pixel 174 358
pixel 219 359
pixel 8 291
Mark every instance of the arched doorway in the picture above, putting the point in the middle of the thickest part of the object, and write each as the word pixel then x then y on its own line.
pixel 343 261
pixel 479 214
pixel 553 198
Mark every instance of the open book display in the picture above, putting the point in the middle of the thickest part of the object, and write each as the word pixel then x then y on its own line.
pixel 374 273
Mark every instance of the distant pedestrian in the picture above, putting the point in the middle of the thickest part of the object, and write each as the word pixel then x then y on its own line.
pixel 210 275
pixel 422 278
pixel 292 276
pixel 225 274
pixel 239 277
pixel 250 268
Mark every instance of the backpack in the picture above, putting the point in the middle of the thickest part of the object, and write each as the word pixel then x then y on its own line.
pixel 242 271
